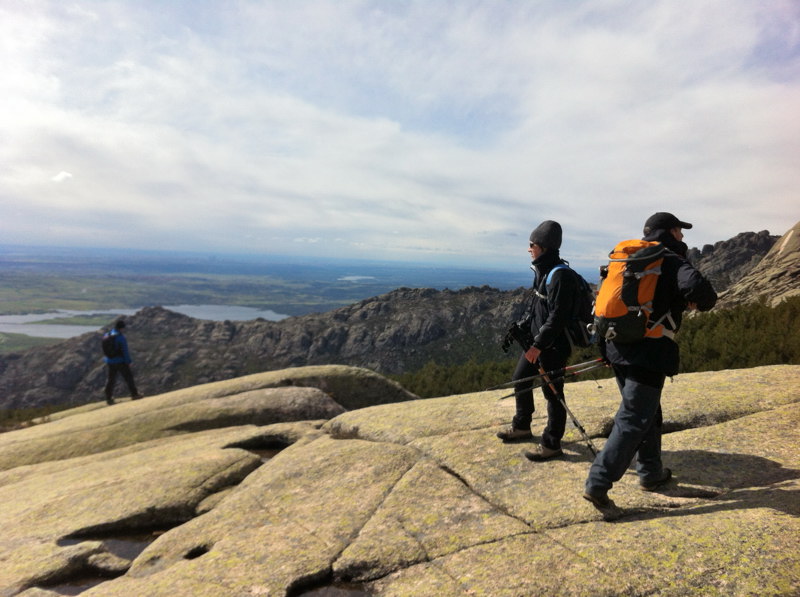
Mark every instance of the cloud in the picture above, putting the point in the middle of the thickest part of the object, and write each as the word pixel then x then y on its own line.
pixel 438 131
pixel 61 176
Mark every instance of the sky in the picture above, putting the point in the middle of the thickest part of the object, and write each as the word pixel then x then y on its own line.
pixel 434 131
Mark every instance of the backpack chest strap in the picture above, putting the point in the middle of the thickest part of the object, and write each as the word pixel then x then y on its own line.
pixel 659 330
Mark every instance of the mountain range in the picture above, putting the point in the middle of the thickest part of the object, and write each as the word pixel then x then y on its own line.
pixel 391 333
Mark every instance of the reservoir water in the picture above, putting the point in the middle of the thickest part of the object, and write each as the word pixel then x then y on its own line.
pixel 24 324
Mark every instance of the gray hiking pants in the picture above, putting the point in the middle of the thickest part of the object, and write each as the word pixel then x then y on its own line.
pixel 636 431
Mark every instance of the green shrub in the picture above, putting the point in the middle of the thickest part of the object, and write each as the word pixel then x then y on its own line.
pixel 745 336
pixel 444 380
pixel 742 337
pixel 11 419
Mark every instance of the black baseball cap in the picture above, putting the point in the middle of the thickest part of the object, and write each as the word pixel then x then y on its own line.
pixel 663 221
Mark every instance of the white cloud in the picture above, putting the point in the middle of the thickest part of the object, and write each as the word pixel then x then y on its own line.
pixel 439 130
pixel 61 176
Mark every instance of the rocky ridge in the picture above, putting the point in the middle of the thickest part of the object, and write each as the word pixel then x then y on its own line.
pixel 726 262
pixel 271 485
pixel 777 276
pixel 390 333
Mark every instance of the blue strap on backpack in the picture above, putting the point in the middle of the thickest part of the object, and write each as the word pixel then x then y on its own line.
pixel 549 278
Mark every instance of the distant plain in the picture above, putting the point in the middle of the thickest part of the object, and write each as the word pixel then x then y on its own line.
pixel 47 279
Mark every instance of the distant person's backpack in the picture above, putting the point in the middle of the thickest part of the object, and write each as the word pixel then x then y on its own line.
pixel 582 317
pixel 624 302
pixel 111 347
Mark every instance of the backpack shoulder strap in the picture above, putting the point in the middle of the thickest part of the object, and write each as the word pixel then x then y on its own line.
pixel 541 292
pixel 553 271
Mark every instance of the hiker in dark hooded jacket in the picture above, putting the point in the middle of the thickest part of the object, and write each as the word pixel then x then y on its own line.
pixel 642 367
pixel 119 364
pixel 551 310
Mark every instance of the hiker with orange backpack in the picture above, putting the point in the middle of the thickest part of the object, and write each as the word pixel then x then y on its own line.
pixel 647 286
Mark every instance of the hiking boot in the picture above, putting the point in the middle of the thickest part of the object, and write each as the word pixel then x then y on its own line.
pixel 511 434
pixel 109 401
pixel 662 479
pixel 137 397
pixel 543 453
pixel 599 499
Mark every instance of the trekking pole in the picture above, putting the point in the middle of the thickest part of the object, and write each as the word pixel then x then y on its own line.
pixel 556 378
pixel 563 402
pixel 508 384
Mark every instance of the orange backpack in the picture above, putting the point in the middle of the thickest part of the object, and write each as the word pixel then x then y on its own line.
pixel 624 302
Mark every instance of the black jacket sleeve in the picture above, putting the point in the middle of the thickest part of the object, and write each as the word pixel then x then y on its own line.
pixel 695 288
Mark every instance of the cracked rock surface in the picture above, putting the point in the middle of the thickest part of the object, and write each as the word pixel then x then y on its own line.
pixel 413 498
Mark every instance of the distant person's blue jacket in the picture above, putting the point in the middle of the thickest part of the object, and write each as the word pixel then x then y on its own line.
pixel 122 343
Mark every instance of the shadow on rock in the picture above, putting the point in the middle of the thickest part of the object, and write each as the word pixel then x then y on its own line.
pixel 779 499
pixel 726 470
pixel 727 482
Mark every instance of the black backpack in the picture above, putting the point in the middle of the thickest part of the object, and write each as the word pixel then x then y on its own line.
pixel 583 310
pixel 111 347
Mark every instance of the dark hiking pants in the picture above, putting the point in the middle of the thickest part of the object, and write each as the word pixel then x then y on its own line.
pixel 636 431
pixel 124 370
pixel 556 415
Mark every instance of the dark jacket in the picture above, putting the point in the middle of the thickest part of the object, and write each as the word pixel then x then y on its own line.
pixel 123 344
pixel 678 285
pixel 550 315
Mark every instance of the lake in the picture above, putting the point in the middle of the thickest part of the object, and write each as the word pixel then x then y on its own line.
pixel 24 324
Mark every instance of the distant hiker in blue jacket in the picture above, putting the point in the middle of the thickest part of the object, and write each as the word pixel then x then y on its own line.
pixel 118 359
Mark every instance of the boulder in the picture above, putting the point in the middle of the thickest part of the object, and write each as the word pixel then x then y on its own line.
pixel 55 515
pixel 304 393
